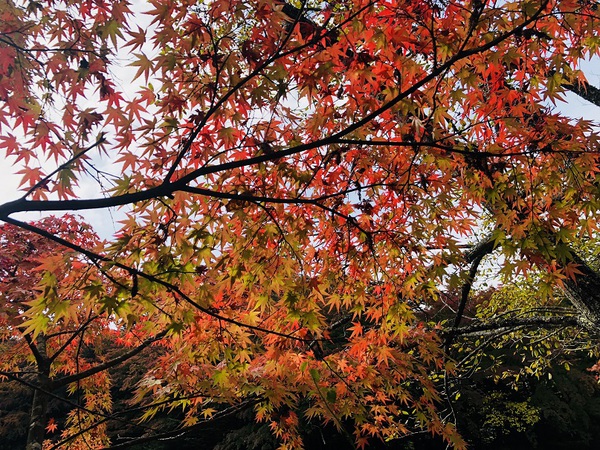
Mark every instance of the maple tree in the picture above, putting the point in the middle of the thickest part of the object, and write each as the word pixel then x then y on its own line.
pixel 53 336
pixel 303 181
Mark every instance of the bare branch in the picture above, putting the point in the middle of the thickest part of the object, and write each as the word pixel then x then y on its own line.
pixel 515 324
pixel 108 364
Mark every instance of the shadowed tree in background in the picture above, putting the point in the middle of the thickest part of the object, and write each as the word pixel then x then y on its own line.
pixel 54 338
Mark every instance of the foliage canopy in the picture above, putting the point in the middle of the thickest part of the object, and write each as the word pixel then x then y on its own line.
pixel 303 184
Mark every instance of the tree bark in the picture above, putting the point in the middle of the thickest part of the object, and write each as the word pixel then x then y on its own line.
pixel 586 91
pixel 37 418
pixel 584 290
pixel 39 407
pixel 584 293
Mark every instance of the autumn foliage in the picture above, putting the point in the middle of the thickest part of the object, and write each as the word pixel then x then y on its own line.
pixel 302 183
pixel 47 324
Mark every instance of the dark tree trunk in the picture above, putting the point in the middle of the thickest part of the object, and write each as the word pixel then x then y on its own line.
pixel 584 293
pixel 37 419
pixel 39 407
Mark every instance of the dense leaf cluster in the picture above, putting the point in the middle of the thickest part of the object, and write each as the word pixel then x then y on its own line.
pixel 310 192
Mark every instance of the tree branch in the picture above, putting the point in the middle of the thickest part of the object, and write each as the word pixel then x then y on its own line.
pixel 167 188
pixel 64 165
pixel 585 91
pixel 40 359
pixel 481 329
pixel 174 434
pixel 108 364
pixel 13 377
pixel 171 287
pixel 465 291
pixel 71 338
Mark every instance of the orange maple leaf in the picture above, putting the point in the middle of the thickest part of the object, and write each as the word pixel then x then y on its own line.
pixel 52 426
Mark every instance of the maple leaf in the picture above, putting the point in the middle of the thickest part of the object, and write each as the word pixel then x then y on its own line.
pixel 144 65
pixel 51 426
pixel 138 38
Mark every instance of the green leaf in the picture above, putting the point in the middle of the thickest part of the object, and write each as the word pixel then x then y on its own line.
pixel 331 395
pixel 314 373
